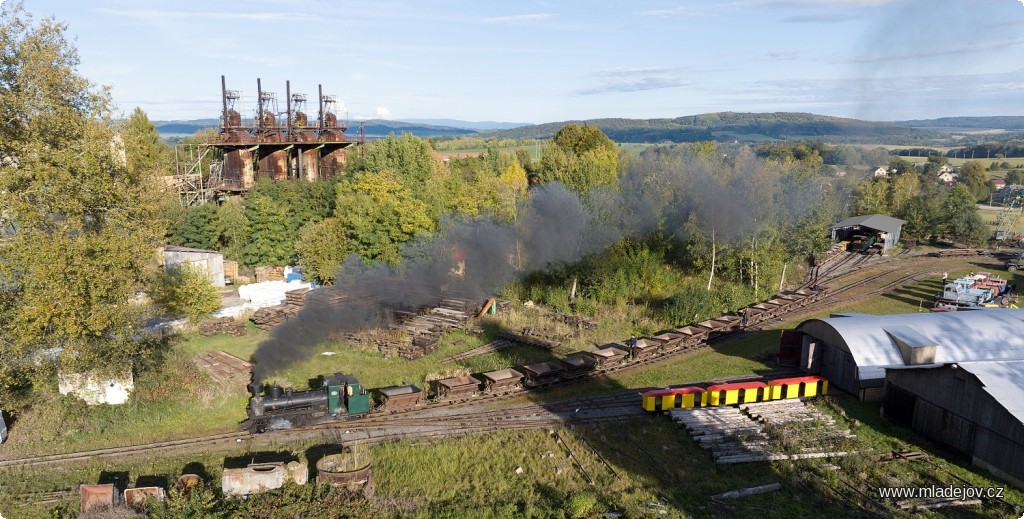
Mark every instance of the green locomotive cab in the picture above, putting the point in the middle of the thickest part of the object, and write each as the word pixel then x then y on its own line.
pixel 346 396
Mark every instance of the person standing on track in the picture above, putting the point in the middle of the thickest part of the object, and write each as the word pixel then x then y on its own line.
pixel 632 346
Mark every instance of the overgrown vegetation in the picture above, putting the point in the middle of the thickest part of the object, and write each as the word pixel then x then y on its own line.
pixel 185 291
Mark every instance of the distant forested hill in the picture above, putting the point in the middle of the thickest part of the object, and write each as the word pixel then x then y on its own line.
pixel 968 123
pixel 725 126
pixel 375 128
pixel 722 126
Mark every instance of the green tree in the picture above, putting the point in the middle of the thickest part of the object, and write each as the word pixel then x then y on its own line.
pixel 185 291
pixel 200 228
pixel 408 157
pixel 144 151
pixel 900 189
pixel 1015 177
pixel 322 247
pixel 581 157
pixel 973 175
pixel 270 243
pixel 380 214
pixel 232 230
pixel 85 224
pixel 869 197
pixel 962 221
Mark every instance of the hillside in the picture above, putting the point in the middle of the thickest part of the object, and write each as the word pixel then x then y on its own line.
pixel 968 123
pixel 722 126
pixel 725 126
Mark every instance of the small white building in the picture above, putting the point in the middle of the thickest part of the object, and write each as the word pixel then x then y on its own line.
pixel 947 176
pixel 882 171
pixel 95 389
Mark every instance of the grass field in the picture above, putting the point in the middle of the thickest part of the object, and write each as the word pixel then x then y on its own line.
pixel 658 470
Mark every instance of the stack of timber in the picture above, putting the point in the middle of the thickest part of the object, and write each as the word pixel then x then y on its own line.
pixel 731 436
pixel 296 297
pixel 423 330
pixel 271 316
pixel 759 431
pixel 576 321
pixel 800 427
pixel 226 325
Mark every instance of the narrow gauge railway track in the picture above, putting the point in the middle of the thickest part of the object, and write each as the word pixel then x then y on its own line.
pixel 820 300
pixel 831 300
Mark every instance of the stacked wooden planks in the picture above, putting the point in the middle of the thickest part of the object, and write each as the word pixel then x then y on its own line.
pixel 731 436
pixel 271 316
pixel 226 325
pixel 758 431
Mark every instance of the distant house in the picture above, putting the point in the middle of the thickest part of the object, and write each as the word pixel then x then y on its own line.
pixel 947 176
pixel 837 170
pixel 882 171
pixel 998 183
pixel 946 168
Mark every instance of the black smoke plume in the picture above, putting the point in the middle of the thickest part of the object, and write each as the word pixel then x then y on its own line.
pixel 732 194
pixel 554 226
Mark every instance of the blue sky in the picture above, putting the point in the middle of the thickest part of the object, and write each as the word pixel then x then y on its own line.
pixel 541 61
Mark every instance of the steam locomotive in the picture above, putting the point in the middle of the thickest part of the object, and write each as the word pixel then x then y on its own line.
pixel 273 407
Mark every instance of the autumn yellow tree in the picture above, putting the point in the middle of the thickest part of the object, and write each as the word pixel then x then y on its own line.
pixel 79 219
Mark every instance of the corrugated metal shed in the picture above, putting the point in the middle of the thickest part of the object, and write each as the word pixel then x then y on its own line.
pixel 977 335
pixel 878 222
pixel 209 260
pixel 1004 380
pixel 889 228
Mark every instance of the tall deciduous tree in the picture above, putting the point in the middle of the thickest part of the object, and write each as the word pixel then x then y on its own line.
pixel 581 157
pixel 408 157
pixel 379 215
pixel 83 217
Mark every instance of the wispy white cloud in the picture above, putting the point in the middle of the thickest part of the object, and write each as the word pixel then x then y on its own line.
pixel 152 15
pixel 835 4
pixel 633 71
pixel 519 18
pixel 966 48
pixel 676 12
pixel 632 83
pixel 823 18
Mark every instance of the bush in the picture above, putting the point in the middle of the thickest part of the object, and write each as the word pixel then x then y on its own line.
pixel 580 505
pixel 185 291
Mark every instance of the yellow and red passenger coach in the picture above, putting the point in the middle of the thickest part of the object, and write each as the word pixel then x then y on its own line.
pixel 665 399
pixel 734 393
pixel 796 387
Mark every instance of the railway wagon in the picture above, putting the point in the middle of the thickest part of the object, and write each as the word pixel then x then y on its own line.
pixel 609 355
pixel 501 380
pixel 456 386
pixel 665 399
pixel 577 365
pixel 399 397
pixel 734 393
pixel 796 387
pixel 541 373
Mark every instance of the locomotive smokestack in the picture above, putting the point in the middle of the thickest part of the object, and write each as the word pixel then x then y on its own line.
pixel 255 388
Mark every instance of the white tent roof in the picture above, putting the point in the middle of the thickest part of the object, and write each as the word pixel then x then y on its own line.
pixel 975 335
